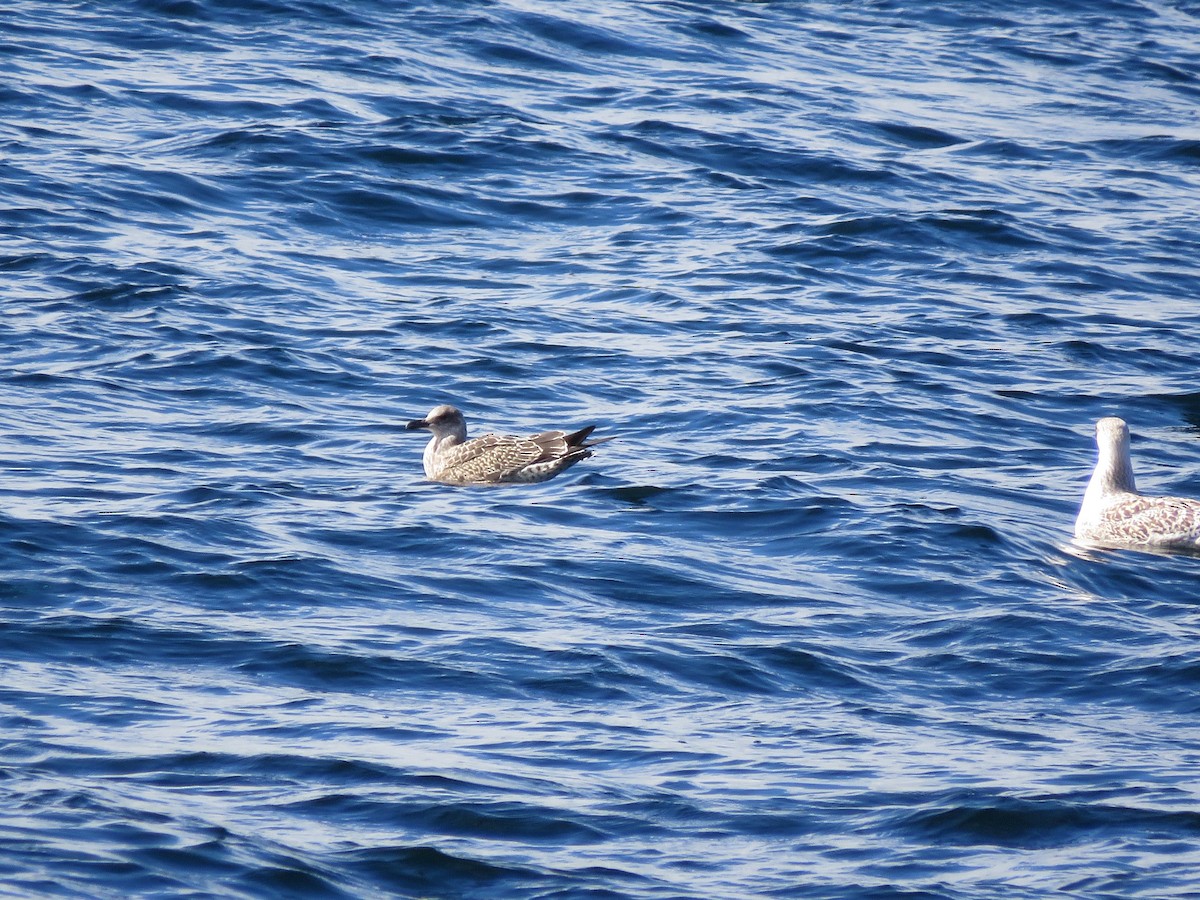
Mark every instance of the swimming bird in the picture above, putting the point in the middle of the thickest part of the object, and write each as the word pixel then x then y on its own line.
pixel 1114 514
pixel 497 458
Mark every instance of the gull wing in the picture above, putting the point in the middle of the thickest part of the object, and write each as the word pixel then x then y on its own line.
pixel 492 457
pixel 1155 520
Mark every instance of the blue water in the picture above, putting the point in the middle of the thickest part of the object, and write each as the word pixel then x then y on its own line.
pixel 851 282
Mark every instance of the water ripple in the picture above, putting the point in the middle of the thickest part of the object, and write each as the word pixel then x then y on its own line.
pixel 849 285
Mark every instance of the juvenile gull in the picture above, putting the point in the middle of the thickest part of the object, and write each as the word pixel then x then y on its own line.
pixel 497 458
pixel 1114 514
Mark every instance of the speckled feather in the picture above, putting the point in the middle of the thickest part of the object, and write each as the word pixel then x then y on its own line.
pixel 1133 519
pixel 506 459
pixel 1113 513
pixel 494 458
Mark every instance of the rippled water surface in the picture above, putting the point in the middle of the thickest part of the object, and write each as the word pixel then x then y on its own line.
pixel 851 283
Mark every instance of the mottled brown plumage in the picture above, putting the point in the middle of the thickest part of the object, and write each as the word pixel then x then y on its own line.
pixel 495 458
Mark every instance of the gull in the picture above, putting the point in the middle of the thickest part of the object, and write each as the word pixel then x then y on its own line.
pixel 1114 514
pixel 497 458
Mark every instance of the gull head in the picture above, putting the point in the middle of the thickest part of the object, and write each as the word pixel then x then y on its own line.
pixel 1112 434
pixel 444 421
pixel 1114 468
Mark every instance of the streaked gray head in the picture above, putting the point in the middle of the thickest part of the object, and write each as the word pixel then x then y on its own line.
pixel 442 420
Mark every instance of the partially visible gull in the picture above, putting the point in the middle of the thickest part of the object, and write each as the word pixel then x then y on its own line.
pixel 497 458
pixel 1114 514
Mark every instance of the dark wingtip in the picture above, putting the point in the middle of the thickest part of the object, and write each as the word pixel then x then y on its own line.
pixel 576 441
